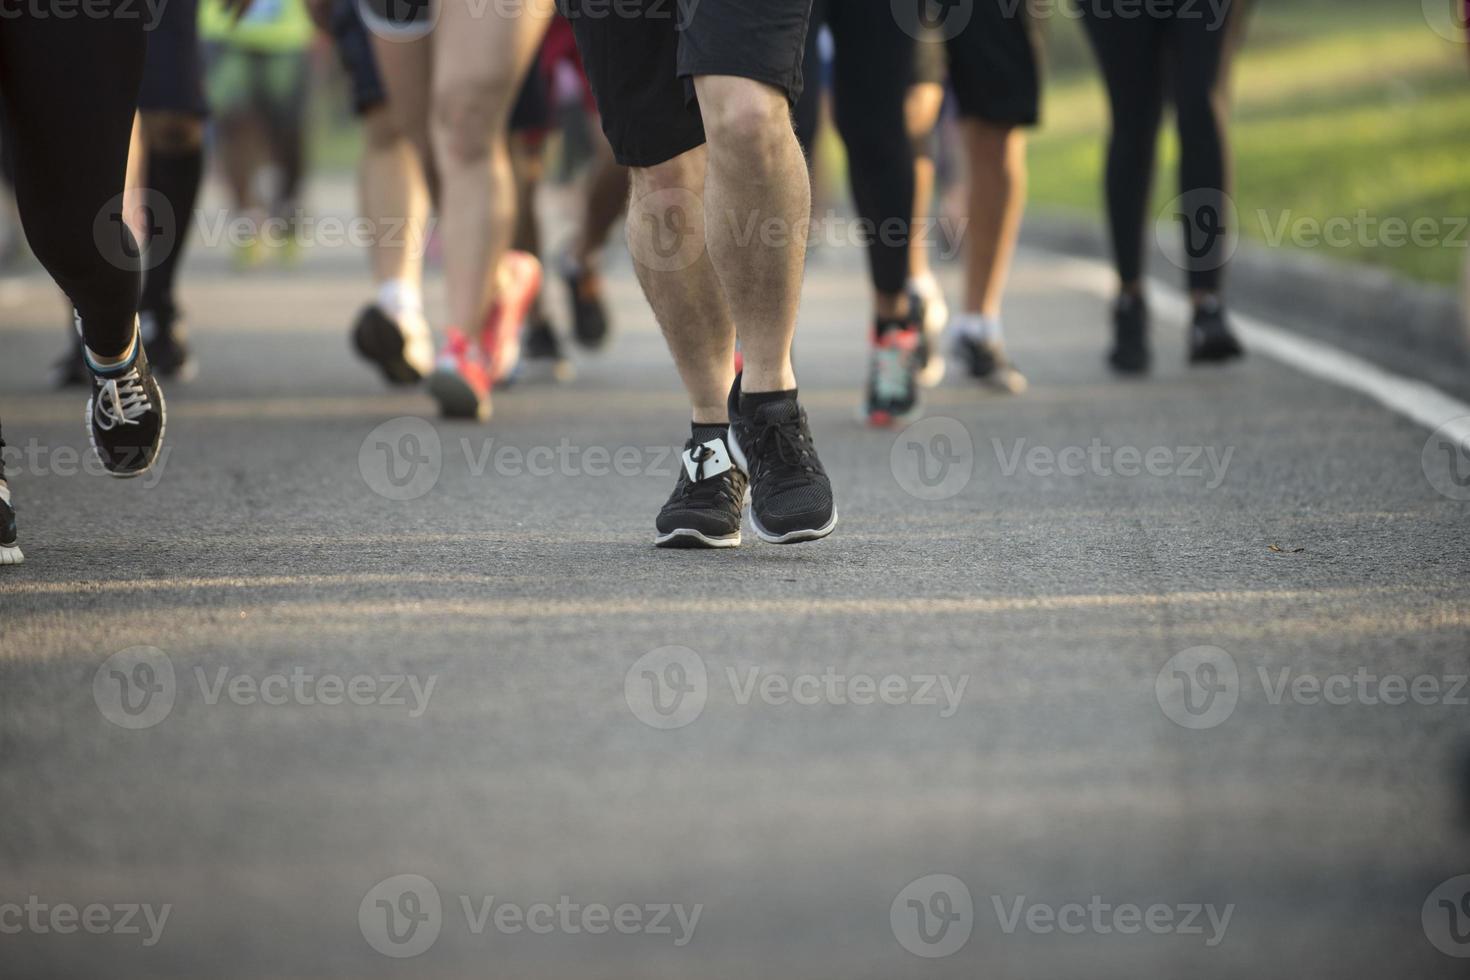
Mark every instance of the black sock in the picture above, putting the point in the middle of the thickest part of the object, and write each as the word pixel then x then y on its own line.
pixel 750 401
pixel 175 177
pixel 705 431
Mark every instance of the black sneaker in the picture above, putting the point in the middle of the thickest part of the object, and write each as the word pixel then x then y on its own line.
pixel 10 553
pixel 894 363
pixel 541 354
pixel 167 339
pixel 401 348
pixel 705 507
pixel 589 314
pixel 126 416
pixel 987 362
pixel 1211 341
pixel 791 497
pixel 70 370
pixel 1130 336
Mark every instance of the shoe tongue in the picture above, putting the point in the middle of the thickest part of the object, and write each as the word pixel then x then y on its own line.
pixel 782 411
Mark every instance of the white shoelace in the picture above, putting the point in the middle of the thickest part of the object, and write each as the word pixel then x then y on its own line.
pixel 122 401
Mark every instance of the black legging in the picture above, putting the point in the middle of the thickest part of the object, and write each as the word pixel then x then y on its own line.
pixel 1183 54
pixel 69 89
pixel 873 68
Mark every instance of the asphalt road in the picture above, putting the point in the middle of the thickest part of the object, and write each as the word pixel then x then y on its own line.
pixel 990 673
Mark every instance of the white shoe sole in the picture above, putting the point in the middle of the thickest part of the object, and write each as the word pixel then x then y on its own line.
pixel 688 537
pixel 793 537
pixel 11 555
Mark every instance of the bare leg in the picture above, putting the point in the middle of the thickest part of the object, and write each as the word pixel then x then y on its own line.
pixel 605 198
pixel 921 112
pixel 688 301
pixel 407 67
pixel 755 173
pixel 480 58
pixel 997 156
pixel 391 189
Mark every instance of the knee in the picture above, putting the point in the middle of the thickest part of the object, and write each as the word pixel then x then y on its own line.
pixel 381 131
pixel 683 172
pixel 747 118
pixel 468 115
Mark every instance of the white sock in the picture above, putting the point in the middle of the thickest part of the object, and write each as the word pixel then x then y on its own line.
pixel 399 297
pixel 978 326
pixel 925 285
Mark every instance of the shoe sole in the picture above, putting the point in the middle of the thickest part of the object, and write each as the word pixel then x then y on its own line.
pixel 1215 354
pixel 157 448
pixel 379 341
pixel 737 455
pixel 888 420
pixel 457 400
pixel 793 537
pixel 10 554
pixel 688 537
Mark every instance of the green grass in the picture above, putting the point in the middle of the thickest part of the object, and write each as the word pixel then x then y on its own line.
pixel 1341 109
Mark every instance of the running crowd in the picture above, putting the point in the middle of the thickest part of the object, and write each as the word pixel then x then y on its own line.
pixel 709 109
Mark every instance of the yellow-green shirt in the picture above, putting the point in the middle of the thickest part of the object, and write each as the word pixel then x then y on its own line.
pixel 269 25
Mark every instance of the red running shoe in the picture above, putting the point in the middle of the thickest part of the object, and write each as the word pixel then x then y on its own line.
pixel 461 381
pixel 500 337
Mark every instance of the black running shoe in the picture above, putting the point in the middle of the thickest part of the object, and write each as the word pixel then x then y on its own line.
pixel 541 354
pixel 10 553
pixel 987 362
pixel 1130 336
pixel 589 315
pixel 126 416
pixel 401 348
pixel 1211 341
pixel 166 336
pixel 791 497
pixel 70 370
pixel 705 507
pixel 894 363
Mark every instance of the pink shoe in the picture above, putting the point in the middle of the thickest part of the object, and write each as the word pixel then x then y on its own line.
pixel 500 337
pixel 460 382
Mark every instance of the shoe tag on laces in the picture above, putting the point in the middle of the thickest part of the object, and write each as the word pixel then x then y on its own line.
pixel 714 456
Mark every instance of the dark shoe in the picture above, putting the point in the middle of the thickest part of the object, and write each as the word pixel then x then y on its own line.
pixel 704 509
pixel 70 370
pixel 589 314
pixel 167 339
pixel 791 497
pixel 1130 353
pixel 1211 340
pixel 986 361
pixel 10 553
pixel 541 354
pixel 401 348
pixel 126 415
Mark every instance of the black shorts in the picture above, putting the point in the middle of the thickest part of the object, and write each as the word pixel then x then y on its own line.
pixel 642 56
pixel 173 71
pixel 355 49
pixel 993 62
